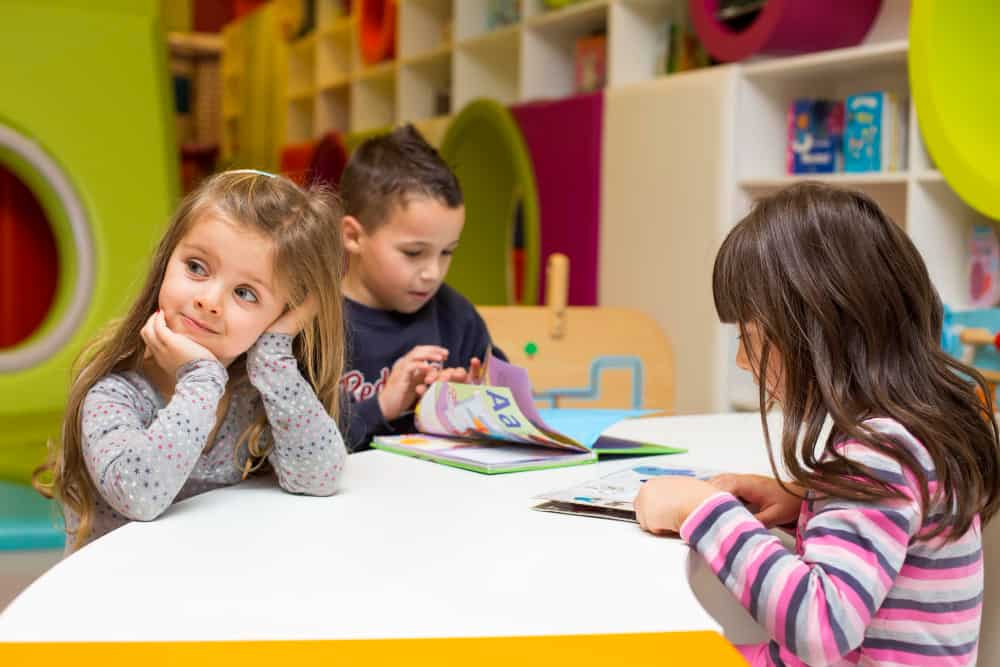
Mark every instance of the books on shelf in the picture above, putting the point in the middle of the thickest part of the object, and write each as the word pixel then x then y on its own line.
pixel 875 133
pixel 865 133
pixel 494 427
pixel 611 496
pixel 815 136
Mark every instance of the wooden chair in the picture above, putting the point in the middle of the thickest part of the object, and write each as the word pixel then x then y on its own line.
pixel 585 357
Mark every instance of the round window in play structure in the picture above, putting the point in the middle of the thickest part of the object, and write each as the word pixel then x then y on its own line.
pixel 46 254
pixel 29 262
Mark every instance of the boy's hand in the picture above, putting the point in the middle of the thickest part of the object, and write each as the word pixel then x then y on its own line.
pixel 775 506
pixel 475 371
pixel 296 319
pixel 408 374
pixel 472 376
pixel 170 350
pixel 664 503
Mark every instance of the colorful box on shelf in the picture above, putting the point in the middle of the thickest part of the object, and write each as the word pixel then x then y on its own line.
pixel 875 133
pixel 591 63
pixel 815 136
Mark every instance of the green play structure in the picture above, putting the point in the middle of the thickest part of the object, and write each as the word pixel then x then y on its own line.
pixel 954 77
pixel 485 148
pixel 86 125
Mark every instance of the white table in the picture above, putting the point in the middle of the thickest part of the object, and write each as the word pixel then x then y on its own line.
pixel 407 549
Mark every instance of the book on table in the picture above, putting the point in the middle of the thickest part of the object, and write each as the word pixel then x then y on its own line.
pixel 495 427
pixel 612 496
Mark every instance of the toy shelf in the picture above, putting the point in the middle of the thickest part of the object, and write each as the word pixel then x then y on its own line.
pixel 448 54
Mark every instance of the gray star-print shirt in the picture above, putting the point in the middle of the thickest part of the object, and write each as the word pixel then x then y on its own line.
pixel 143 454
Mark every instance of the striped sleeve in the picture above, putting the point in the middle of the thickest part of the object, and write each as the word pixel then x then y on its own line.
pixel 816 605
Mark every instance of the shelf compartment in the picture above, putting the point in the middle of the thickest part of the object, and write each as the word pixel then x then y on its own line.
pixel 299 121
pixel 301 67
pixel 425 88
pixel 373 102
pixel 423 26
pixel 333 109
pixel 940 224
pixel 488 68
pixel 763 100
pixel 333 57
pixel 552 39
pixel 642 55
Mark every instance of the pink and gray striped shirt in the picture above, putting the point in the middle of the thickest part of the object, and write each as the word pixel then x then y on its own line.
pixel 860 588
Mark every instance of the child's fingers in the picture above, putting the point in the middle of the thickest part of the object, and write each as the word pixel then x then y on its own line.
pixel 145 334
pixel 727 482
pixel 150 334
pixel 770 516
pixel 417 372
pixel 640 516
pixel 427 353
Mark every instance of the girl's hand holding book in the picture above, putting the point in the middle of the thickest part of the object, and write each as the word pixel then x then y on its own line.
pixel 774 506
pixel 664 503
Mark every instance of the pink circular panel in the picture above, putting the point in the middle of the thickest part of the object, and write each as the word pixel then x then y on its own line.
pixel 785 26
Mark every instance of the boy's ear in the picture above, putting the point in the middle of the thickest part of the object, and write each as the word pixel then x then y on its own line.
pixel 353 232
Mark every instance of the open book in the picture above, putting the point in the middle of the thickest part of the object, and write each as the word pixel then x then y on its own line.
pixel 611 496
pixel 494 427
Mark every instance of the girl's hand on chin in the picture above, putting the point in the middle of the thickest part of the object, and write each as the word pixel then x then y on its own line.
pixel 169 350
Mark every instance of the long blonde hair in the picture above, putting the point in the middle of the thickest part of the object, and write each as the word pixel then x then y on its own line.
pixel 305 229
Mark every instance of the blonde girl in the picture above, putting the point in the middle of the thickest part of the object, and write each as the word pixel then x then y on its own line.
pixel 230 355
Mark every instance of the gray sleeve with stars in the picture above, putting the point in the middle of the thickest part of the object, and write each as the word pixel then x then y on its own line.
pixel 139 458
pixel 309 452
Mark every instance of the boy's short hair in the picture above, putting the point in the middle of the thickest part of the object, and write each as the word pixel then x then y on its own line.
pixel 387 169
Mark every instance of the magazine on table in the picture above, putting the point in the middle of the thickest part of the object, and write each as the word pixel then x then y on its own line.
pixel 611 496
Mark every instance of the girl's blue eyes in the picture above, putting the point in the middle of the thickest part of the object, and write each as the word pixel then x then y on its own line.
pixel 246 294
pixel 242 293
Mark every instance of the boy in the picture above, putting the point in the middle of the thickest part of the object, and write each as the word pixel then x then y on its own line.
pixel 405 327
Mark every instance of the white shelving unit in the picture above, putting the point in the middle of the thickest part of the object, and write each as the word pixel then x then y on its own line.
pixel 447 55
pixel 687 155
pixel 916 197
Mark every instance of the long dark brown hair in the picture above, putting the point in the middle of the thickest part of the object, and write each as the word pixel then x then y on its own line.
pixel 305 229
pixel 840 295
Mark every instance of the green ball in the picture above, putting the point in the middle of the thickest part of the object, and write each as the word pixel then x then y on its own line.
pixel 530 349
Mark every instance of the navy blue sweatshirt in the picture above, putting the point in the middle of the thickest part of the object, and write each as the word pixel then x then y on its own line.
pixel 377 338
